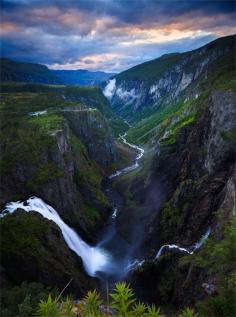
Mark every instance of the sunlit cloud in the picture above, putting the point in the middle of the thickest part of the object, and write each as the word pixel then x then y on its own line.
pixel 8 27
pixel 110 35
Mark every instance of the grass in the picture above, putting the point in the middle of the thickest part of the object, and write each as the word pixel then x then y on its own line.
pixel 23 98
pixel 147 128
pixel 152 70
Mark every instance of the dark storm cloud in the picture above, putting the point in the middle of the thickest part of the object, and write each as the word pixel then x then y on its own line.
pixel 109 34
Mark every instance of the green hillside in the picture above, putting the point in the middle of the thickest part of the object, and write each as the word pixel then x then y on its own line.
pixel 44 96
pixel 150 71
pixel 26 72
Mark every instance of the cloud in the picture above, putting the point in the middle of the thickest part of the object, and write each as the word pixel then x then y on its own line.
pixel 109 34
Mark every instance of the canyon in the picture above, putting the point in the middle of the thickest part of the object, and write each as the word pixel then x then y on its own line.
pixel 132 181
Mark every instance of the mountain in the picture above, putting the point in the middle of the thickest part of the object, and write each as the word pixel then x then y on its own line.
pixel 141 90
pixel 36 73
pixel 82 77
pixel 26 72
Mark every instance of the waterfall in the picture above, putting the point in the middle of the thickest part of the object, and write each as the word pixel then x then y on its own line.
pixel 190 250
pixel 137 263
pixel 94 258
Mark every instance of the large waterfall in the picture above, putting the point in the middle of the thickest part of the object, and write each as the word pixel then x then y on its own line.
pixel 94 259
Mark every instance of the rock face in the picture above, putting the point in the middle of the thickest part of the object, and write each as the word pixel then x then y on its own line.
pixel 91 127
pixel 205 162
pixel 162 81
pixel 33 249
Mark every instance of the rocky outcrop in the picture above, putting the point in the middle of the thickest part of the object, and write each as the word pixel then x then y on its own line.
pixel 91 127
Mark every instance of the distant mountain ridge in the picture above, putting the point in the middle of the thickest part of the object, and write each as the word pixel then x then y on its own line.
pixel 26 72
pixel 37 73
pixel 82 77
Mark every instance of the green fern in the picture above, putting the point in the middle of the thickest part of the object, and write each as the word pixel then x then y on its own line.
pixel 66 307
pixel 48 308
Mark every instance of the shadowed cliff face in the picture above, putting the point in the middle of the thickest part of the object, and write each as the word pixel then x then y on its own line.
pixel 204 160
pixel 91 127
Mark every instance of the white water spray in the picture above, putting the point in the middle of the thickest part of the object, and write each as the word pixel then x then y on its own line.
pixel 94 259
pixel 37 113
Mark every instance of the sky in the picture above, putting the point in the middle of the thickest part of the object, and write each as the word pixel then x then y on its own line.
pixel 109 35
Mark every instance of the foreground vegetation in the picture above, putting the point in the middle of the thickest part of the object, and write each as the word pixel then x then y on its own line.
pixel 35 300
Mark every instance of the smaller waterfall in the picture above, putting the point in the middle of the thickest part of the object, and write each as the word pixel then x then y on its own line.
pixel 190 250
pixel 137 263
pixel 94 259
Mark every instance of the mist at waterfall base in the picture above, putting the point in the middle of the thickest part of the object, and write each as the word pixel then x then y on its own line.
pixel 108 260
